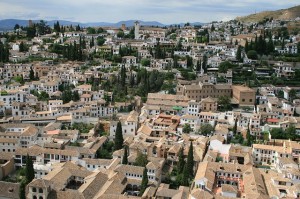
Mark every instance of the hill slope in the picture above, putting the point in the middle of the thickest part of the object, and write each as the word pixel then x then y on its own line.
pixel 283 14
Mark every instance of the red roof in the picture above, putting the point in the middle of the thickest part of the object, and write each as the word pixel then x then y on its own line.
pixel 272 120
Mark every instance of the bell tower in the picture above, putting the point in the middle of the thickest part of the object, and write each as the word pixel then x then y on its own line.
pixel 136 30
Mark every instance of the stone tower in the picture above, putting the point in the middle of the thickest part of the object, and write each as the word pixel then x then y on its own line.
pixel 136 30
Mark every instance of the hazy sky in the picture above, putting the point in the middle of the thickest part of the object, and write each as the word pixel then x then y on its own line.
pixel 165 11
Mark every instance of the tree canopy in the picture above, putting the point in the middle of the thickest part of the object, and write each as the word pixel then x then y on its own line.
pixel 206 129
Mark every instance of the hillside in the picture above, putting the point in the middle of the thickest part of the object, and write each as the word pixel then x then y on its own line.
pixel 283 14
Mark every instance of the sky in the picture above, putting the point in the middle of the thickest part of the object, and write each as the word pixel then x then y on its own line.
pixel 164 11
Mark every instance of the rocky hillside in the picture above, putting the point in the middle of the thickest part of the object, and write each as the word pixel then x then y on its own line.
pixel 284 14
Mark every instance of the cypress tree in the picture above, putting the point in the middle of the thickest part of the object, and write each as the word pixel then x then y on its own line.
pixel 75 96
pixel 234 130
pixel 29 171
pixel 123 76
pixel 246 46
pixel 92 43
pixel 185 176
pixel 239 54
pixel 119 137
pixel 31 74
pixel 125 156
pixel 204 64
pixel 58 26
pixel 132 81
pixel 21 47
pixel 255 44
pixel 249 137
pixel 259 45
pixel 22 190
pixel 181 162
pixel 190 161
pixel 144 182
pixel 270 46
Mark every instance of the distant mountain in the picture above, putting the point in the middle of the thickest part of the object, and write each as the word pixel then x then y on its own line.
pixel 8 24
pixel 283 14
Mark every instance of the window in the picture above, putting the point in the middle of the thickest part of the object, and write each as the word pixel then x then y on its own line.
pixel 40 190
pixel 33 189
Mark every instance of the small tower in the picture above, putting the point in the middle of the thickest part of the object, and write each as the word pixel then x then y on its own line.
pixel 30 24
pixel 136 30
pixel 123 27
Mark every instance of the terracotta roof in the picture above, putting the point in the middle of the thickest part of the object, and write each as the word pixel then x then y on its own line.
pixel 9 190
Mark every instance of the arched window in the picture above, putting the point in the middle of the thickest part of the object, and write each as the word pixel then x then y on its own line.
pixel 33 189
pixel 34 197
pixel 41 197
pixel 40 190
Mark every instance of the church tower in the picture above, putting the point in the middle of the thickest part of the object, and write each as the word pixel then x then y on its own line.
pixel 136 30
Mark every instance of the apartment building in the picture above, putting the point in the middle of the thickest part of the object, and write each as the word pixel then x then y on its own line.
pixel 199 91
pixel 244 95
pixel 170 104
pixel 269 154
pixel 230 180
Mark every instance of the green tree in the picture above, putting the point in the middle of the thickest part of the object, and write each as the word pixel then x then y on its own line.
pixel 246 46
pixel 31 74
pixel 43 96
pixel 206 129
pixel 270 46
pixel 91 30
pixel 219 159
pixel 224 66
pixel 66 96
pixel 144 183
pixel 23 47
pixel 22 190
pixel 181 161
pixel 100 41
pixel 29 171
pixel 185 176
pixel 31 32
pixel 234 130
pixel 17 26
pixel 119 137
pixel 141 160
pixel 125 155
pixel 75 96
pixel 145 62
pixel 56 27
pixel 204 64
pixel 120 34
pixel 292 94
pixel 291 132
pixel 239 54
pixel 224 103
pixel 187 128
pixel 100 30
pixel 249 136
pixel 99 130
pixel 280 94
pixel 92 42
pixel 252 54
pixel 190 161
